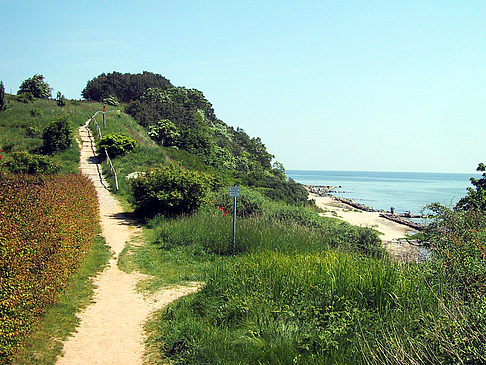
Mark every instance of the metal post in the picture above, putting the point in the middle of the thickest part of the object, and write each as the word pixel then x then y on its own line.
pixel 234 225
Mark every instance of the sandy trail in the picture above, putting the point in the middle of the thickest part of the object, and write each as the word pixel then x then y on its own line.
pixel 111 329
pixel 391 231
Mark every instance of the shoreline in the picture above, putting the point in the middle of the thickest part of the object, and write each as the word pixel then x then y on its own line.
pixel 400 218
pixel 393 233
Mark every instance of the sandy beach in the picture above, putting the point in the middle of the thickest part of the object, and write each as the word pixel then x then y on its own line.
pixel 390 231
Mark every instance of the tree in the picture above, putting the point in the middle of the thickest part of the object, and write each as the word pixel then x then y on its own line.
pixel 475 198
pixel 35 86
pixel 3 102
pixel 125 87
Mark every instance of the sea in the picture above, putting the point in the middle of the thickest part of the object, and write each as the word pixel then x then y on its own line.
pixel 404 191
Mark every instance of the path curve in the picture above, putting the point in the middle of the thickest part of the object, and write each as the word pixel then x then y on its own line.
pixel 111 328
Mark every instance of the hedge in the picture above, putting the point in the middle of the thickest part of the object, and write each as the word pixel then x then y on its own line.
pixel 47 224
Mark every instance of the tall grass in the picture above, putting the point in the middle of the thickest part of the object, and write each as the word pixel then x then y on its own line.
pixel 292 308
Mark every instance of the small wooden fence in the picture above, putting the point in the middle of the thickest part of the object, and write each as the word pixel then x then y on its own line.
pixel 108 159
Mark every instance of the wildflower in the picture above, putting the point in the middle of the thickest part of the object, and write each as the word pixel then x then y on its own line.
pixel 226 212
pixel 221 208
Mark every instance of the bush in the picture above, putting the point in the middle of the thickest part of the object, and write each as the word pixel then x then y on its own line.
pixel 24 162
pixel 111 100
pixel 170 190
pixel 250 203
pixel 47 225
pixel 458 240
pixel 165 132
pixel 117 144
pixel 61 100
pixel 57 136
pixel 36 112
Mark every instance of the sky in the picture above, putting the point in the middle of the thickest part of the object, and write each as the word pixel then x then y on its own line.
pixel 327 85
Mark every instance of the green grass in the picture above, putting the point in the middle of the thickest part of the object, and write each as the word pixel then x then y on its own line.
pixel 296 291
pixel 280 308
pixel 45 344
pixel 21 129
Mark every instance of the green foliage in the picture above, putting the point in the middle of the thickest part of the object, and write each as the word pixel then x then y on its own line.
pixel 250 203
pixel 3 100
pixel 24 162
pixel 111 100
pixel 35 86
pixel 116 144
pixel 26 98
pixel 45 344
pixel 165 132
pixel 476 197
pixel 61 100
pixel 289 309
pixel 47 224
pixel 57 136
pixel 125 87
pixel 36 112
pixel 458 241
pixel 170 190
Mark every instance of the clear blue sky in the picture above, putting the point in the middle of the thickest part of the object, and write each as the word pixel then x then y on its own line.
pixel 327 85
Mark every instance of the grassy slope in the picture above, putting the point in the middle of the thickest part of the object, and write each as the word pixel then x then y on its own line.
pixel 21 131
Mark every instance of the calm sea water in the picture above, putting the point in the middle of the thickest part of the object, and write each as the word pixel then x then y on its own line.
pixel 381 190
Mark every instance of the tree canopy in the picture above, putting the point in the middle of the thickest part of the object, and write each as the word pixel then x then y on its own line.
pixel 35 86
pixel 125 87
pixel 476 197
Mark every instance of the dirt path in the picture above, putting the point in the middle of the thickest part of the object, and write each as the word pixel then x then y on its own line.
pixel 110 330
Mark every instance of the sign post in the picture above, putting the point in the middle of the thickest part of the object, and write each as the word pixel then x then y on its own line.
pixel 104 118
pixel 234 192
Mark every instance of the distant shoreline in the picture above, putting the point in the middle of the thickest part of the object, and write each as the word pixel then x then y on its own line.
pixel 400 218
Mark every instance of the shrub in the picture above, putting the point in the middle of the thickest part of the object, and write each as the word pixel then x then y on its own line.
pixel 250 203
pixel 111 100
pixel 36 112
pixel 117 144
pixel 47 225
pixel 458 240
pixel 170 190
pixel 24 162
pixel 57 136
pixel 164 132
pixel 61 100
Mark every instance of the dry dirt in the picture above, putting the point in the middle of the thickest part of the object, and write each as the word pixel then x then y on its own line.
pixel 111 328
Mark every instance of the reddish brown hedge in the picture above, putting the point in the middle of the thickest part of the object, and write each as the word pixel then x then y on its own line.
pixel 47 224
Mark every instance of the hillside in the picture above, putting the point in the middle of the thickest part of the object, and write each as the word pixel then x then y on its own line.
pixel 183 124
pixel 295 287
